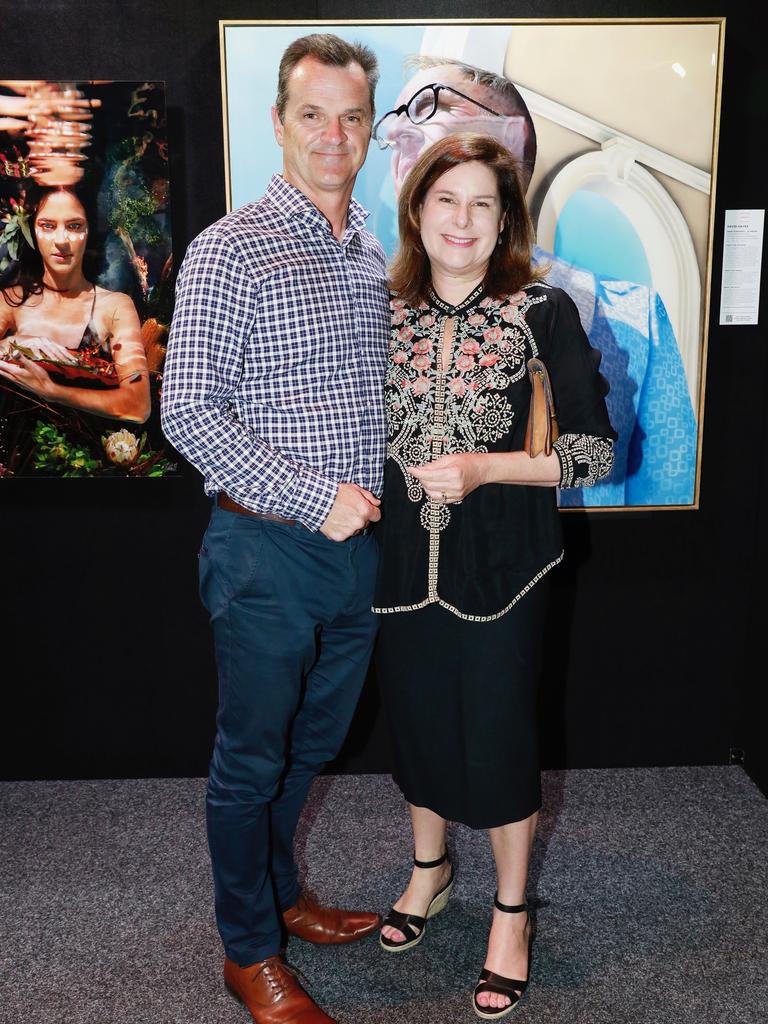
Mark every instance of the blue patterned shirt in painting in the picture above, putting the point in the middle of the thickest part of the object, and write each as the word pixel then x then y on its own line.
pixel 649 404
pixel 273 381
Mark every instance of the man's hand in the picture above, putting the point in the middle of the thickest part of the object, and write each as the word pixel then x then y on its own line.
pixel 353 509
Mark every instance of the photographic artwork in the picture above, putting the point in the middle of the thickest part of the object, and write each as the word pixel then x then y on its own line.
pixel 85 276
pixel 614 125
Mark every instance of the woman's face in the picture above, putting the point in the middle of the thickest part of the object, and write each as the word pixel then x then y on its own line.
pixel 461 218
pixel 61 231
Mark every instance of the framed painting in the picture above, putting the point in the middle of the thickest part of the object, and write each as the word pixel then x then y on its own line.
pixel 85 278
pixel 614 125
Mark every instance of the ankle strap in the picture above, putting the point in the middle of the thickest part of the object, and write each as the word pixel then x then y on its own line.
pixel 518 909
pixel 430 863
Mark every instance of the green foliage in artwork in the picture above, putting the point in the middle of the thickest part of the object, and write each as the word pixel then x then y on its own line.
pixel 15 232
pixel 55 455
pixel 133 212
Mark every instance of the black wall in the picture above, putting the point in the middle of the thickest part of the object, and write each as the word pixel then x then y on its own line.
pixel 657 622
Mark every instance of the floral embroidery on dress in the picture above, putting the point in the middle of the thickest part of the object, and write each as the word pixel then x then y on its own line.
pixel 491 344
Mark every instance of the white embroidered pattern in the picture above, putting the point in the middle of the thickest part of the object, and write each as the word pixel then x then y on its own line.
pixel 474 618
pixel 435 410
pixel 592 456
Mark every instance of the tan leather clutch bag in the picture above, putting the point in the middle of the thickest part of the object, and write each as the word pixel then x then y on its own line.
pixel 542 428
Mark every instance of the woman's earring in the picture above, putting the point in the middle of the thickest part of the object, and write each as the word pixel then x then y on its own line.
pixel 498 242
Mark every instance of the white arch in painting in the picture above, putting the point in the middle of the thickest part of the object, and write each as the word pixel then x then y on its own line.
pixel 613 172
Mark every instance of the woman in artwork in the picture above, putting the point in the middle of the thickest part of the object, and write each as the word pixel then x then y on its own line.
pixel 65 340
pixel 470 529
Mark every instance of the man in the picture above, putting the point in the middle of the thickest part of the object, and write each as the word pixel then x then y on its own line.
pixel 649 403
pixel 273 388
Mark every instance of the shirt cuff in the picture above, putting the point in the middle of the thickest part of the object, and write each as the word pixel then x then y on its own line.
pixel 310 498
pixel 584 459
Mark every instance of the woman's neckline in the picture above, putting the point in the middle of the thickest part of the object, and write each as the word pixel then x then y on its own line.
pixel 450 308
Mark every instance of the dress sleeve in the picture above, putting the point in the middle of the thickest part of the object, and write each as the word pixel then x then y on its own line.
pixel 585 444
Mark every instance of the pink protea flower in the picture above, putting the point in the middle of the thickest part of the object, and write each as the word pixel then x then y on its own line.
pixel 405 333
pixel 420 362
pixel 465 362
pixel 470 347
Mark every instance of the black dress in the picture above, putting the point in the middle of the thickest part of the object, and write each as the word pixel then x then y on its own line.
pixel 462 587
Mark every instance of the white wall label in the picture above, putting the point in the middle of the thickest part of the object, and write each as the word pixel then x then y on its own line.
pixel 742 257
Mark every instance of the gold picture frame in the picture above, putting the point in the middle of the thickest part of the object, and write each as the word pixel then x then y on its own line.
pixel 622 195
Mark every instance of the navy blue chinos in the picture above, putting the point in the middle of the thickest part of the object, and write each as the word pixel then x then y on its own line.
pixel 293 634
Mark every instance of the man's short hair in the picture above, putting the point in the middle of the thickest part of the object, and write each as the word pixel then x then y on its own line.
pixel 504 92
pixel 332 51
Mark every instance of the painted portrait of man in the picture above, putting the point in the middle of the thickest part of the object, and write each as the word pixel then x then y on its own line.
pixel 622 223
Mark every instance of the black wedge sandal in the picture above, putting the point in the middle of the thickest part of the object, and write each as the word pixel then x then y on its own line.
pixel 412 925
pixel 497 983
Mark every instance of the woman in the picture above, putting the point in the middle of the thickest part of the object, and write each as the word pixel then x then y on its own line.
pixel 64 339
pixel 470 529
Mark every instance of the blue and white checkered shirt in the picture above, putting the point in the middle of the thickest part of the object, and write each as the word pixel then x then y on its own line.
pixel 273 381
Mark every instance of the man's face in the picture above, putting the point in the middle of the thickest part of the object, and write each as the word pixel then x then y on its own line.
pixel 454 114
pixel 326 127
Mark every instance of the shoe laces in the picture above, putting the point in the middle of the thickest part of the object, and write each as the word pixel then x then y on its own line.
pixel 275 977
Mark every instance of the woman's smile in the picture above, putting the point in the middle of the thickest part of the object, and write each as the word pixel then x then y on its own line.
pixel 459 241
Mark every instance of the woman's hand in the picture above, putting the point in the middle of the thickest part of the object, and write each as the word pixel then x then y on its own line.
pixel 28 375
pixel 44 348
pixel 451 477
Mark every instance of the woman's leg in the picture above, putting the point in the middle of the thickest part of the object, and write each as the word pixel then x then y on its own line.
pixel 508 941
pixel 428 844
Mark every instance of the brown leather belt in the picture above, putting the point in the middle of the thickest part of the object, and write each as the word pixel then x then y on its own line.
pixel 224 501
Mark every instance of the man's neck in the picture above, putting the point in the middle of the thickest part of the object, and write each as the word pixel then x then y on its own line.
pixel 334 205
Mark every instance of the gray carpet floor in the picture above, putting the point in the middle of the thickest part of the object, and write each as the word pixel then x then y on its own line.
pixel 654 884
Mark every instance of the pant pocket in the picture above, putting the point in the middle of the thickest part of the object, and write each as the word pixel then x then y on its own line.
pixel 230 558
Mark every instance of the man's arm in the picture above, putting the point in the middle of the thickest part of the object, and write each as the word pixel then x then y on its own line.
pixel 216 302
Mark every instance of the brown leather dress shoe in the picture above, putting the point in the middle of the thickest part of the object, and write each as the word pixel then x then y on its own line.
pixel 327 926
pixel 272 994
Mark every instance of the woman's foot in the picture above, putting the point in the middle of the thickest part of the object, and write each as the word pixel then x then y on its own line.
pixel 425 883
pixel 508 948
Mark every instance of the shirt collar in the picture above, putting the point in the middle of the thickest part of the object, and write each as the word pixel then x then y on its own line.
pixel 292 202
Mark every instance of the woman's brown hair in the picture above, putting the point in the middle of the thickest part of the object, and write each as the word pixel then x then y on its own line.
pixel 509 267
